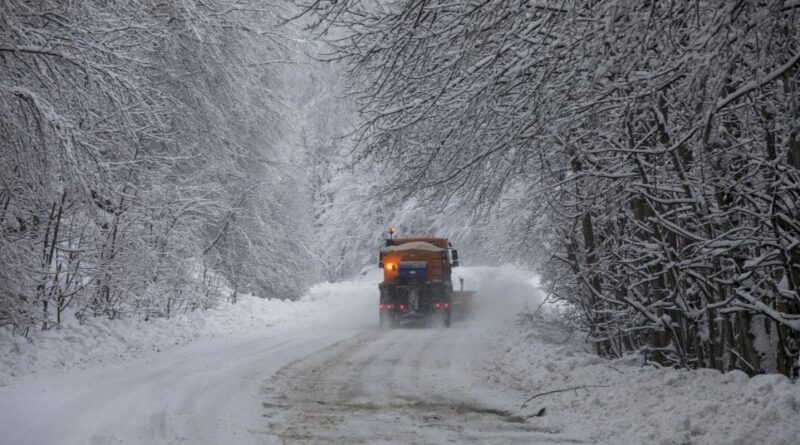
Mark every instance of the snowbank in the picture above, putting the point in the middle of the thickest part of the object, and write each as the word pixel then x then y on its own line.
pixel 622 401
pixel 100 340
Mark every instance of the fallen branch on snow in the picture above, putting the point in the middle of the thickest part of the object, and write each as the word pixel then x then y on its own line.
pixel 560 390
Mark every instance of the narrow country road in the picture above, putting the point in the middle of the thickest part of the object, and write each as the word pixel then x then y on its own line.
pixel 333 377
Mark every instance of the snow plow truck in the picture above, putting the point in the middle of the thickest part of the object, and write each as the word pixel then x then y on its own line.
pixel 417 285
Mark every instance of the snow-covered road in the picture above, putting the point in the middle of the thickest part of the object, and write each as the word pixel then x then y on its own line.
pixel 330 375
pixel 420 386
pixel 304 379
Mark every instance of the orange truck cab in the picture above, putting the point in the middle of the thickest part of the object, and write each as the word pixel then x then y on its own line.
pixel 417 281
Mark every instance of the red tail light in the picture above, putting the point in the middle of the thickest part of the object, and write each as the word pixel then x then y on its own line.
pixel 402 307
pixel 380 306
pixel 437 305
pixel 446 305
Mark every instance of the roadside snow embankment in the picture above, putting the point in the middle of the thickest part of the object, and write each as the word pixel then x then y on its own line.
pixel 624 402
pixel 100 340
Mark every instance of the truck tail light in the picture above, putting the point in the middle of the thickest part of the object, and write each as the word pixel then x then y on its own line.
pixel 402 307
pixel 437 305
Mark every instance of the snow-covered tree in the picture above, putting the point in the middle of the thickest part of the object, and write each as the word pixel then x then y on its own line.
pixel 144 169
pixel 648 150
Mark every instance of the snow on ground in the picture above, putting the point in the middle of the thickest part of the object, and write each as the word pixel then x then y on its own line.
pixel 625 402
pixel 100 340
pixel 263 370
pixel 205 392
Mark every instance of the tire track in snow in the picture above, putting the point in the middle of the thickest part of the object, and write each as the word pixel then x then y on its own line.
pixel 405 386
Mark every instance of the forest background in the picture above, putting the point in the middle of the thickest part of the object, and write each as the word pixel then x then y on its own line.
pixel 159 158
